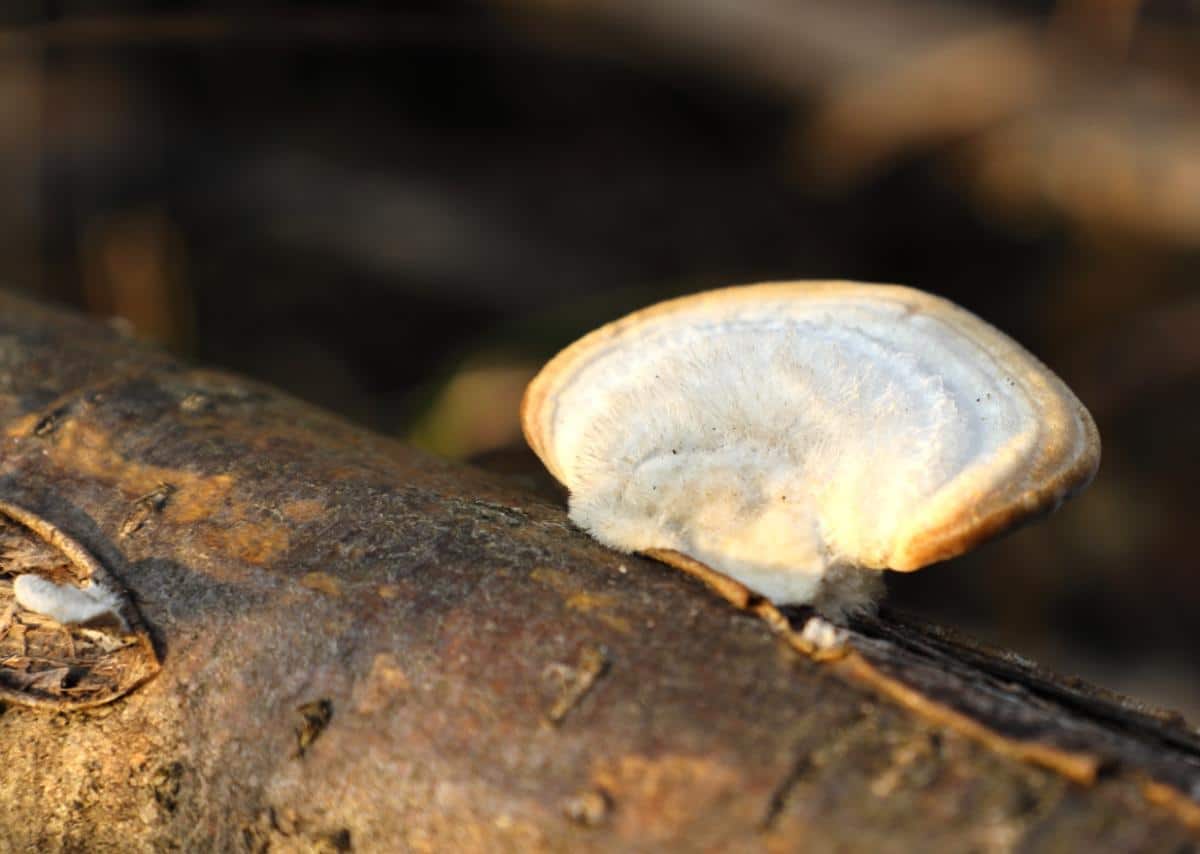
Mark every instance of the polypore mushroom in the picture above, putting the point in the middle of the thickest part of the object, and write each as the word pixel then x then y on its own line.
pixel 799 436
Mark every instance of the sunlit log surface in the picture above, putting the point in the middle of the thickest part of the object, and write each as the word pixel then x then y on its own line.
pixel 365 648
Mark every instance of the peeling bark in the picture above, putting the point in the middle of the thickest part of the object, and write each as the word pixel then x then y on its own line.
pixel 365 648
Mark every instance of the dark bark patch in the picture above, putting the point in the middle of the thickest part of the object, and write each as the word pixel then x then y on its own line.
pixel 315 716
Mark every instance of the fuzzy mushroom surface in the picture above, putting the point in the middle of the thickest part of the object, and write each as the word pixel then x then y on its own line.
pixel 66 603
pixel 793 435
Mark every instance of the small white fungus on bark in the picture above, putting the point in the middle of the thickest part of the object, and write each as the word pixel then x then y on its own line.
pixel 66 603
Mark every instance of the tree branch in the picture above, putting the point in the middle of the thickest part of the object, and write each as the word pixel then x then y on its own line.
pixel 366 648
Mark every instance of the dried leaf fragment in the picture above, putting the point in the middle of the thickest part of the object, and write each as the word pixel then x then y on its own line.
pixel 322 582
pixel 576 682
pixel 70 637
pixel 589 808
pixel 148 505
pixel 315 717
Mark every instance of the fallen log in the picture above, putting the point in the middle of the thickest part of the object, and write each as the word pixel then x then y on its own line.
pixel 366 648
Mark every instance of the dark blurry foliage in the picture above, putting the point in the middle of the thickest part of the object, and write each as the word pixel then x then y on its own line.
pixel 400 210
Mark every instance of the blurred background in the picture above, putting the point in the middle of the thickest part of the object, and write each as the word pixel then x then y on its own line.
pixel 399 211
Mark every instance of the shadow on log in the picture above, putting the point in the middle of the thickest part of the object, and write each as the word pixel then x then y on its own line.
pixel 365 648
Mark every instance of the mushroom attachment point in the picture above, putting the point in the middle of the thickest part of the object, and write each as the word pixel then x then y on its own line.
pixel 798 437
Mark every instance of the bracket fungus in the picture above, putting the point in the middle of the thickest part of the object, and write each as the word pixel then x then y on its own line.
pixel 797 437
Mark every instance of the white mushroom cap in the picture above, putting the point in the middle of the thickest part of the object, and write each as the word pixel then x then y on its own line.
pixel 776 431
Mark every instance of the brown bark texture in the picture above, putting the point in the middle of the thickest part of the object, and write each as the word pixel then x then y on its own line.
pixel 365 648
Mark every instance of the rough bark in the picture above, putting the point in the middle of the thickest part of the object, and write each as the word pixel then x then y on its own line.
pixel 367 648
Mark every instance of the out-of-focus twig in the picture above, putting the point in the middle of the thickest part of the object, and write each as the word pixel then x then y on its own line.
pixel 315 25
pixel 1108 25
pixel 1064 114
pixel 1038 120
pixel 132 269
